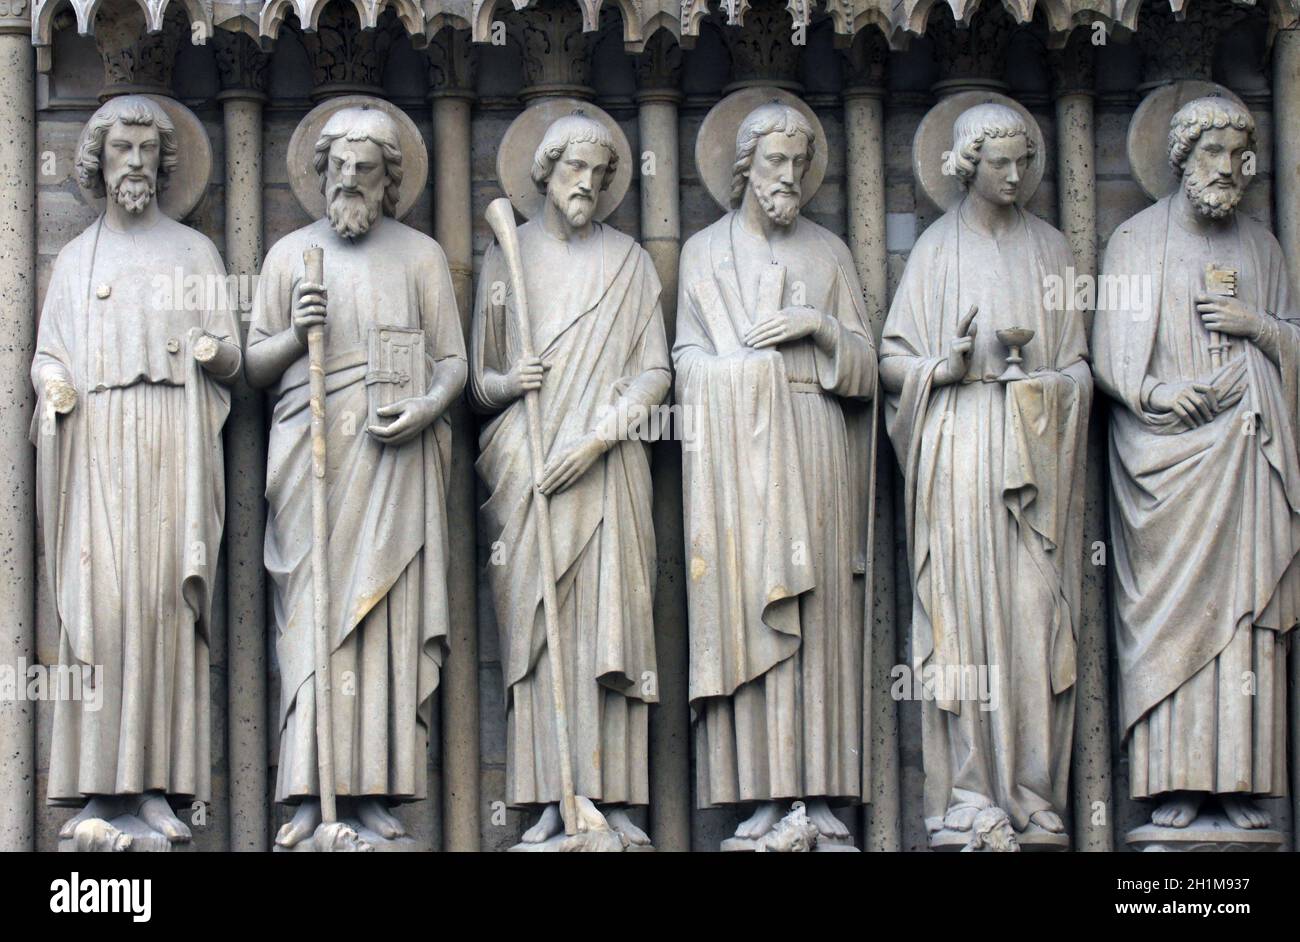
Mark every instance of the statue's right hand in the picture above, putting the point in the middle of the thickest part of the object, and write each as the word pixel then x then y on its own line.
pixel 524 377
pixel 309 303
pixel 60 394
pixel 953 370
pixel 1194 403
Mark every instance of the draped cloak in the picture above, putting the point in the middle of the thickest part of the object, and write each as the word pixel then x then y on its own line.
pixel 1205 522
pixel 596 323
pixel 776 501
pixel 387 520
pixel 130 500
pixel 994 510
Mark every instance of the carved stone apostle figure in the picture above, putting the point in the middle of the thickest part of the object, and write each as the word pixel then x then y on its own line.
pixel 772 344
pixel 597 329
pixel 1205 480
pixel 994 488
pixel 390 318
pixel 130 404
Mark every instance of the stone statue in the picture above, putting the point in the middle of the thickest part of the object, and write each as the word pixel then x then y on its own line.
pixel 993 456
pixel 772 347
pixel 1202 358
pixel 394 361
pixel 131 398
pixel 600 355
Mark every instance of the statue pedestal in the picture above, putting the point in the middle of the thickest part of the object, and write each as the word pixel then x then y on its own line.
pixel 599 842
pixel 824 845
pixel 402 845
pixel 95 835
pixel 1209 833
pixel 1032 841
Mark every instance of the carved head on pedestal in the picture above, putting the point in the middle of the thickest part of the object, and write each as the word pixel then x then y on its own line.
pixel 992 150
pixel 358 157
pixel 1210 141
pixel 128 152
pixel 775 147
pixel 574 163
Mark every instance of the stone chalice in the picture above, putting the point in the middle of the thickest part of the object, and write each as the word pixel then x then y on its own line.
pixel 1014 338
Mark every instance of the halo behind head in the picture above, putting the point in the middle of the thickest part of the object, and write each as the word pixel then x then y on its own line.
pixel 936 161
pixel 1198 116
pixel 973 127
pixel 372 119
pixel 1149 133
pixel 774 117
pixel 574 128
pixel 537 130
pixel 185 162
pixel 717 143
pixel 364 123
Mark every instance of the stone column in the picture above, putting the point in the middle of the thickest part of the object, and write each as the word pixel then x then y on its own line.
pixel 242 68
pixel 451 84
pixel 1073 82
pixel 658 72
pixel 864 132
pixel 18 470
pixel 1286 129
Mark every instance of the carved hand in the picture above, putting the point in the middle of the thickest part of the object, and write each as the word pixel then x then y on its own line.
pixel 561 472
pixel 1227 315
pixel 786 325
pixel 953 370
pixel 309 302
pixel 413 416
pixel 1194 403
pixel 525 376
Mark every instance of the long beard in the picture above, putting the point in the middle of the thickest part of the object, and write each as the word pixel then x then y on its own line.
pixel 577 211
pixel 352 214
pixel 781 207
pixel 1211 201
pixel 133 195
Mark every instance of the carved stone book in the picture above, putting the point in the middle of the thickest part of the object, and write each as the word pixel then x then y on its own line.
pixel 395 368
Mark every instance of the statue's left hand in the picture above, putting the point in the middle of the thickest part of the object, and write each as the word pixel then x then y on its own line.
pixel 786 325
pixel 561 472
pixel 413 416
pixel 219 359
pixel 1227 315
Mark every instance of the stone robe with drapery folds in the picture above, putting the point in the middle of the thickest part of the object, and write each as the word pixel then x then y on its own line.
pixel 994 501
pixel 387 516
pixel 596 323
pixel 776 499
pixel 1205 522
pixel 130 493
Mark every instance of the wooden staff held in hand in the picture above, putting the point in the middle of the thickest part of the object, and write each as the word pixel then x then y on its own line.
pixel 501 217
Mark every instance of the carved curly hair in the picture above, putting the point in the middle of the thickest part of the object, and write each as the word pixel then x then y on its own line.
pixel 364 124
pixel 574 128
pixel 976 125
pixel 1198 116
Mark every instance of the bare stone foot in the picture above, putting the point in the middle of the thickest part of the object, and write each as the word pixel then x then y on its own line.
pixel 547 826
pixel 1244 812
pixel 960 817
pixel 761 821
pixel 820 814
pixel 1178 811
pixel 374 814
pixel 158 814
pixel 620 822
pixel 1048 820
pixel 589 817
pixel 305 821
pixel 104 807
